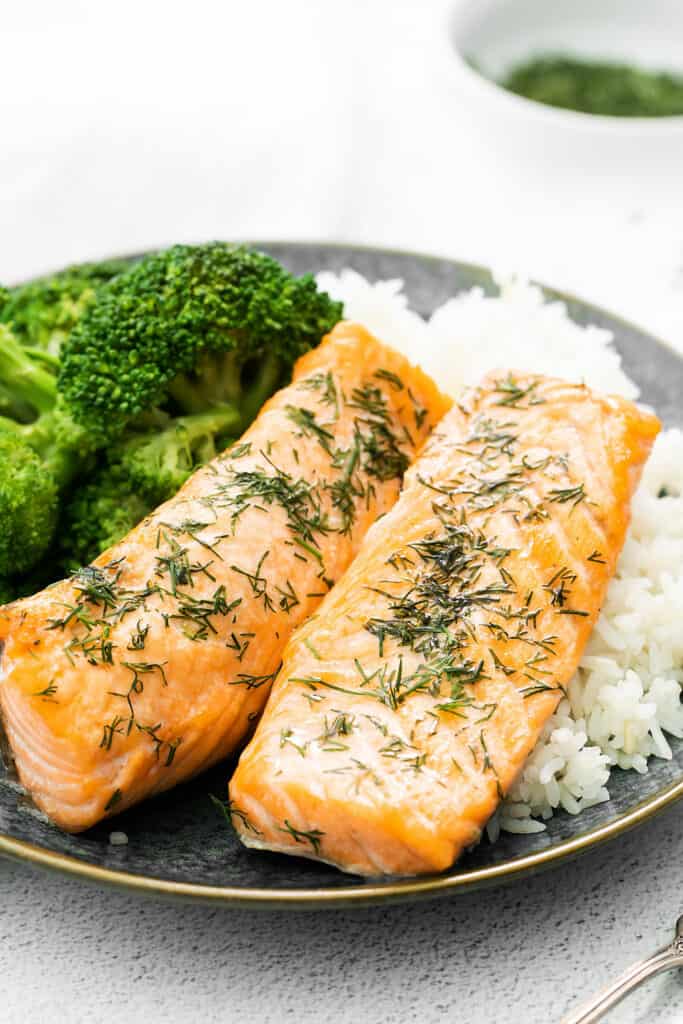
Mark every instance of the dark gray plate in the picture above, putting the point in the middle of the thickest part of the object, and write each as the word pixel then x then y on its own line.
pixel 179 846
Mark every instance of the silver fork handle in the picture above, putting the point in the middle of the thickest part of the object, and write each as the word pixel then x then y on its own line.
pixel 664 960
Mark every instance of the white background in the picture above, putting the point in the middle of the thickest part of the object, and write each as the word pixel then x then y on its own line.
pixel 139 123
pixel 136 124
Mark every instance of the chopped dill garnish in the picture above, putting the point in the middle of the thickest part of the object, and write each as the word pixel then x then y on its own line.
pixel 513 393
pixel 113 800
pixel 138 636
pixel 313 836
pixel 197 612
pixel 309 426
pixel 49 691
pixel 254 682
pixel 539 687
pixel 311 648
pixel 257 582
pixel 564 494
pixel 391 378
pixel 507 670
pixel 238 451
pixel 177 566
pixel 287 597
pixel 324 383
pixel 231 812
pixel 371 400
pixel 298 498
pixel 286 735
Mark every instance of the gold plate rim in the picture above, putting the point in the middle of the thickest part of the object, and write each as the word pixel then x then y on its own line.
pixel 370 893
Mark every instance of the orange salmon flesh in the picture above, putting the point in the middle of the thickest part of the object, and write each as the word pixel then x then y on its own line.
pixel 154 663
pixel 407 705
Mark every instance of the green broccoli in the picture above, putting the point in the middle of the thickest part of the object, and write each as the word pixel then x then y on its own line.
pixel 43 312
pixel 34 412
pixel 41 450
pixel 28 507
pixel 157 464
pixel 141 471
pixel 187 328
pixel 99 513
pixel 120 380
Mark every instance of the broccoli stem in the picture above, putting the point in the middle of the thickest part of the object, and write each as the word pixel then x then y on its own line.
pixel 195 436
pixel 215 379
pixel 12 406
pixel 221 378
pixel 21 376
pixel 157 464
pixel 261 388
pixel 43 357
pixel 145 470
pixel 63 451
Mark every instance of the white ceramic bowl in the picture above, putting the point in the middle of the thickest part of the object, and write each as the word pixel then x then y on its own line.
pixel 497 34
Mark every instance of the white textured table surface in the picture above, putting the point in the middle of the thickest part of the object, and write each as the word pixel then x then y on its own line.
pixel 137 124
pixel 518 955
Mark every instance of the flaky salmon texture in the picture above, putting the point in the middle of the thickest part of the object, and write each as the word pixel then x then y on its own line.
pixel 154 663
pixel 407 705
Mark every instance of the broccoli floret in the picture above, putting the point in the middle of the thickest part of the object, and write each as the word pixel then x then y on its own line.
pixel 142 471
pixel 157 464
pixel 28 506
pixel 50 431
pixel 27 387
pixel 41 450
pixel 159 363
pixel 187 328
pixel 43 312
pixel 100 512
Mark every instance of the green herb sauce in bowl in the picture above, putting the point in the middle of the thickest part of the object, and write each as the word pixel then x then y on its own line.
pixel 566 96
pixel 596 87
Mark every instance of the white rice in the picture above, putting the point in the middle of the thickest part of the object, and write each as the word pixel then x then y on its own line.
pixel 472 334
pixel 626 696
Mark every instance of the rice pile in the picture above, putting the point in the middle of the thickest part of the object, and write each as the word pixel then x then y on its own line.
pixel 626 695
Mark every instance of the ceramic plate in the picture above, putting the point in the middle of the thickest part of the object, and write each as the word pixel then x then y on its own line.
pixel 178 845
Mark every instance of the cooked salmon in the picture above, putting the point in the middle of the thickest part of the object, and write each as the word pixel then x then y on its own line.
pixel 153 663
pixel 406 707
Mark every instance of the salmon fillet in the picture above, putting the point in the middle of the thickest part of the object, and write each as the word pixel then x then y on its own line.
pixel 153 663
pixel 406 707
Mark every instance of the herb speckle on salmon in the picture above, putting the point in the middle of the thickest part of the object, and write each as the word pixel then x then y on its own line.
pixel 313 836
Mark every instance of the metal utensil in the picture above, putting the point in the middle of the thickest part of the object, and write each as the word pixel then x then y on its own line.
pixel 664 959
